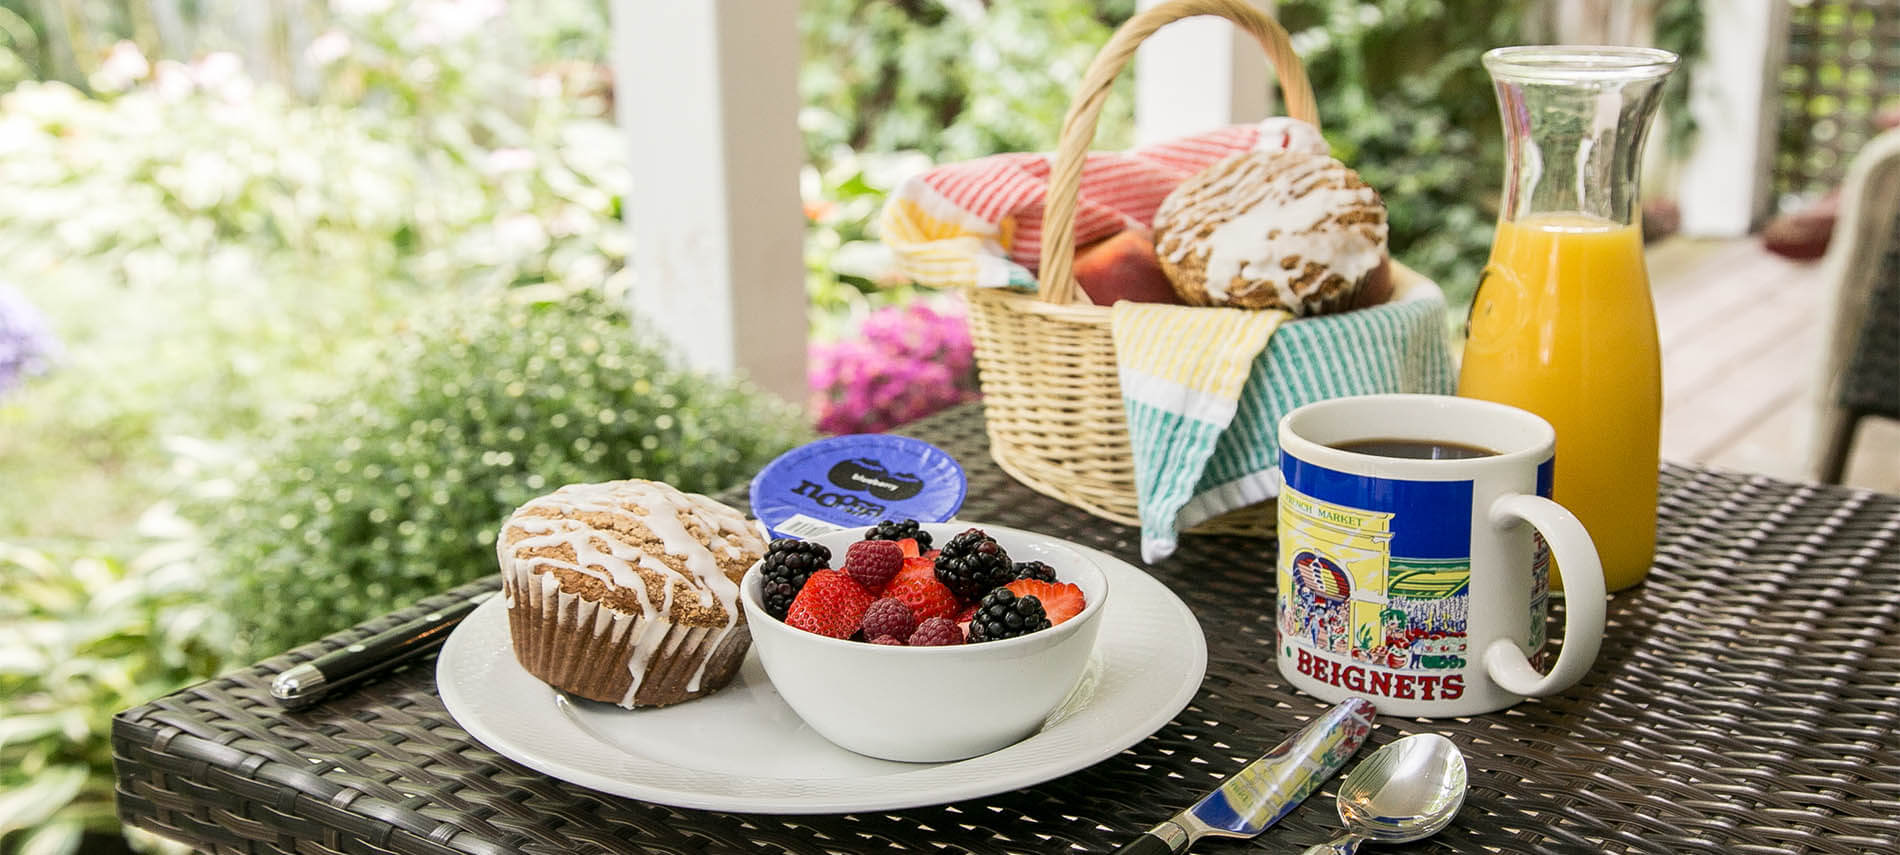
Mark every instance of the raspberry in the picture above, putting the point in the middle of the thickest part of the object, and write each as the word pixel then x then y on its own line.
pixel 1002 615
pixel 888 616
pixel 899 530
pixel 972 563
pixel 1035 570
pixel 1060 601
pixel 926 597
pixel 936 632
pixel 872 563
pixel 788 563
pixel 830 604
pixel 886 639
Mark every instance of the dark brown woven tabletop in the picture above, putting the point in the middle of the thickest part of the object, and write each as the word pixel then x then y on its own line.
pixel 1745 702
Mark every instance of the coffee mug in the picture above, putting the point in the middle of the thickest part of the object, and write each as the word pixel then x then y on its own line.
pixel 1411 568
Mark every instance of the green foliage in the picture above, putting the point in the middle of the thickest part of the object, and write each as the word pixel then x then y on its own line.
pixel 18 42
pixel 848 272
pixel 891 87
pixel 395 489
pixel 81 639
pixel 1679 29
pixel 209 246
pixel 1404 100
pixel 955 80
pixel 198 255
pixel 1402 97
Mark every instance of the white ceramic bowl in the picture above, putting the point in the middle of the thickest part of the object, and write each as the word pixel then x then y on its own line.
pixel 932 704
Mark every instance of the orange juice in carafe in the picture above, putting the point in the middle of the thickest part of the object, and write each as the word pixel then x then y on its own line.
pixel 1563 326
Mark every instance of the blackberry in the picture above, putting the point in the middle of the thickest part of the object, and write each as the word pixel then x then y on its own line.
pixel 972 563
pixel 1035 570
pixel 788 563
pixel 898 530
pixel 1002 615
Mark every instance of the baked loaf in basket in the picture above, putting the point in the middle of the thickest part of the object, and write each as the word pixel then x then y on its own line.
pixel 1272 230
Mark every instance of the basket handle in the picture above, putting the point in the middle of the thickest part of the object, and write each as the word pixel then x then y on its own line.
pixel 1056 278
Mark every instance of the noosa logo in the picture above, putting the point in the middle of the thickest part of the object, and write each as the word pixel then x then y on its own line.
pixel 870 476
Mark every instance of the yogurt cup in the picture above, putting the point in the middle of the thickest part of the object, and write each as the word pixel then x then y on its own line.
pixel 856 480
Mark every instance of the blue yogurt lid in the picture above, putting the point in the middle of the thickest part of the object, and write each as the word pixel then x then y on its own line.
pixel 856 480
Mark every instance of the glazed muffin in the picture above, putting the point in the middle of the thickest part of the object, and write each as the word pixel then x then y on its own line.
pixel 1272 230
pixel 627 592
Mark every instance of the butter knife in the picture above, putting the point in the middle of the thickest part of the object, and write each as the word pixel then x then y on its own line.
pixel 1256 797
pixel 302 686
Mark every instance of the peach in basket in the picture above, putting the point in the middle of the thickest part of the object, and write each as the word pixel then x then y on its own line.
pixel 926 703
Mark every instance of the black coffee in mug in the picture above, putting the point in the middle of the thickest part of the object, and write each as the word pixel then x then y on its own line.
pixel 1415 449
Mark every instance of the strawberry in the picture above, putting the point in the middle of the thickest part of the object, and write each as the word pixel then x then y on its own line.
pixel 967 612
pixel 1060 600
pixel 919 567
pixel 830 604
pixel 926 596
pixel 872 563
pixel 909 545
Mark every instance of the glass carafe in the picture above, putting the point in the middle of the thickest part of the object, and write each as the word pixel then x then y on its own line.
pixel 1562 324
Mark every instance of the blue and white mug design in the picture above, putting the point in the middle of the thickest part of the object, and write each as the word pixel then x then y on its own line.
pixel 1422 583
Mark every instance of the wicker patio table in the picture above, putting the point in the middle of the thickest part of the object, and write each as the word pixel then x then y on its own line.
pixel 1745 702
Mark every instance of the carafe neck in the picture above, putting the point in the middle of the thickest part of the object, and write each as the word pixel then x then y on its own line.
pixel 1575 119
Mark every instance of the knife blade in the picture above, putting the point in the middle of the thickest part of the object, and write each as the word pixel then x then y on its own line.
pixel 302 686
pixel 1257 796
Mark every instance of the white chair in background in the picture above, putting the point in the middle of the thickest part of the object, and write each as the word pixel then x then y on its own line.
pixel 1859 371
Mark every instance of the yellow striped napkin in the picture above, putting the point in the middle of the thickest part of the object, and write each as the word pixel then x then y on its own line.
pixel 1204 390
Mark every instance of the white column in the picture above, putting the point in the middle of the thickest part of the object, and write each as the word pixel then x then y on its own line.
pixel 707 92
pixel 1198 74
pixel 1725 185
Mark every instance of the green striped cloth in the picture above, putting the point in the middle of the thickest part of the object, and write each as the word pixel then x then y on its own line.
pixel 1200 453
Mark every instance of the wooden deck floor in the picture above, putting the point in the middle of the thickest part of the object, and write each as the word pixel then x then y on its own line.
pixel 1741 335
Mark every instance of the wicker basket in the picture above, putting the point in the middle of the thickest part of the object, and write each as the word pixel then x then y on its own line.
pixel 1051 399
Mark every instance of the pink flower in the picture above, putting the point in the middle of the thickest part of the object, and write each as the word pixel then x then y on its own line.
pixel 905 363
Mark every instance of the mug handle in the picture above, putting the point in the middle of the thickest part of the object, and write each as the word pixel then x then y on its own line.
pixel 1583 599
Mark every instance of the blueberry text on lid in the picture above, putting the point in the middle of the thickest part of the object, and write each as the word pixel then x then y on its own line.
pixel 868 474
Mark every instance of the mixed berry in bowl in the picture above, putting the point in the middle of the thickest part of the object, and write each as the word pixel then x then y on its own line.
pixel 929 643
pixel 893 588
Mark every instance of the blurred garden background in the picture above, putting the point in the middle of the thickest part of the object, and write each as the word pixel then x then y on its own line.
pixel 299 298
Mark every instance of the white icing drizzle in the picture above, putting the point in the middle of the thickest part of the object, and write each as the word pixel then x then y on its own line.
pixel 658 508
pixel 1276 212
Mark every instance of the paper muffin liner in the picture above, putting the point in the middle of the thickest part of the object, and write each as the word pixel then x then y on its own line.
pixel 587 649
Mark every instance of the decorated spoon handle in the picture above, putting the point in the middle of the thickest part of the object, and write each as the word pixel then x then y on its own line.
pixel 1344 844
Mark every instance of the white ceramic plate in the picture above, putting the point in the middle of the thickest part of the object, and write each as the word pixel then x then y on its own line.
pixel 743 750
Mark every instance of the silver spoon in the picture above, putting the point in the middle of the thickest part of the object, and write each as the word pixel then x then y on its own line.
pixel 1408 790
